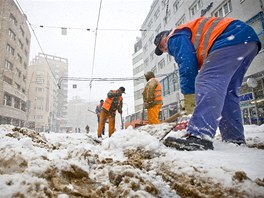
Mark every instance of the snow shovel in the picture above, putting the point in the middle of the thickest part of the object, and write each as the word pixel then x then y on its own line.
pixel 173 117
pixel 167 132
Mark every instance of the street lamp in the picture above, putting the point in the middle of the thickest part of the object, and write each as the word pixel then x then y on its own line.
pixel 252 83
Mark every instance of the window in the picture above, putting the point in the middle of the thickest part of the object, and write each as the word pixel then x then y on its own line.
pixel 23 106
pixel 167 17
pixel 154 69
pixel 164 3
pixel 195 7
pixel 18 72
pixel 7 80
pixel 156 14
pixel 161 64
pixel 10 49
pixel 17 86
pixel 146 62
pixel 11 34
pixel 169 58
pixel 39 89
pixel 169 84
pixel 19 58
pixel 8 65
pixel 12 19
pixel 138 69
pixel 165 87
pixel 181 21
pixel 20 44
pixel 39 81
pixel 17 103
pixel 21 31
pixel 7 100
pixel 257 23
pixel 151 39
pixel 158 29
pixel 223 10
pixel 177 5
pixel 145 47
pixel 150 24
pixel 151 56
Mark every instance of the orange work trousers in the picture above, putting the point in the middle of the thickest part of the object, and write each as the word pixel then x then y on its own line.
pixel 153 114
pixel 104 115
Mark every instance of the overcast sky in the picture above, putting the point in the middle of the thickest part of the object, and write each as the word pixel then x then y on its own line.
pixel 114 49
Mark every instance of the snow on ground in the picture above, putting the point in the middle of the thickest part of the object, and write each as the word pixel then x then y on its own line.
pixel 132 163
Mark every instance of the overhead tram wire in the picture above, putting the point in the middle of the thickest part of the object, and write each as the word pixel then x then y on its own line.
pixel 95 39
pixel 30 25
pixel 107 79
pixel 93 30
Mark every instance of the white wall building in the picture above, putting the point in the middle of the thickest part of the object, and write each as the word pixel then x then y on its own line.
pixel 165 15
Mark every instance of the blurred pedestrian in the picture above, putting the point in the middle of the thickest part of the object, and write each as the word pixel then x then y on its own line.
pixel 87 128
pixel 113 103
pixel 97 111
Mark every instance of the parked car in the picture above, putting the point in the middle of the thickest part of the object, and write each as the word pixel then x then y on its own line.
pixel 182 123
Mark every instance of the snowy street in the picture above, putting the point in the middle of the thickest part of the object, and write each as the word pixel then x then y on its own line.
pixel 132 163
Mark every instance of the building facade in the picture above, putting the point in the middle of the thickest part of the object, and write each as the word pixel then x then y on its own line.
pixel 81 113
pixel 14 58
pixel 138 73
pixel 47 96
pixel 165 15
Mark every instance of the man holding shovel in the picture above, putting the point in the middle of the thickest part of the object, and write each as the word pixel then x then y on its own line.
pixel 113 103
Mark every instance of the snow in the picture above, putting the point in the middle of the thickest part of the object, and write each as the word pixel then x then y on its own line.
pixel 132 163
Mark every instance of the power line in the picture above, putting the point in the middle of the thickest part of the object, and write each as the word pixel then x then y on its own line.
pixel 95 39
pixel 107 79
pixel 91 29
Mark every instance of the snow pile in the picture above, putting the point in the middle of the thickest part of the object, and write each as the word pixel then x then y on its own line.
pixel 132 163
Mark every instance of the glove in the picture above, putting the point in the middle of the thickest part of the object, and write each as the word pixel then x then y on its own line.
pixel 149 105
pixel 189 103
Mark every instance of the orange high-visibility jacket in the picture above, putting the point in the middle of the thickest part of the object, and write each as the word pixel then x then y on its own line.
pixel 151 95
pixel 108 101
pixel 204 32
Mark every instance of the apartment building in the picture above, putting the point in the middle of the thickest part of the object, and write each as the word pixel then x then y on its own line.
pixel 14 58
pixel 138 73
pixel 165 15
pixel 48 95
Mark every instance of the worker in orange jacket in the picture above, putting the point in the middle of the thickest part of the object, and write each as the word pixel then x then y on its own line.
pixel 221 49
pixel 152 97
pixel 113 103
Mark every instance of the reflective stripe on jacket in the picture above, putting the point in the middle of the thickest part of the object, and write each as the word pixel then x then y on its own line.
pixel 204 32
pixel 108 102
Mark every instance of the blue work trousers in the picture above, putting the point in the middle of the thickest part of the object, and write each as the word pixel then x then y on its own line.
pixel 217 89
